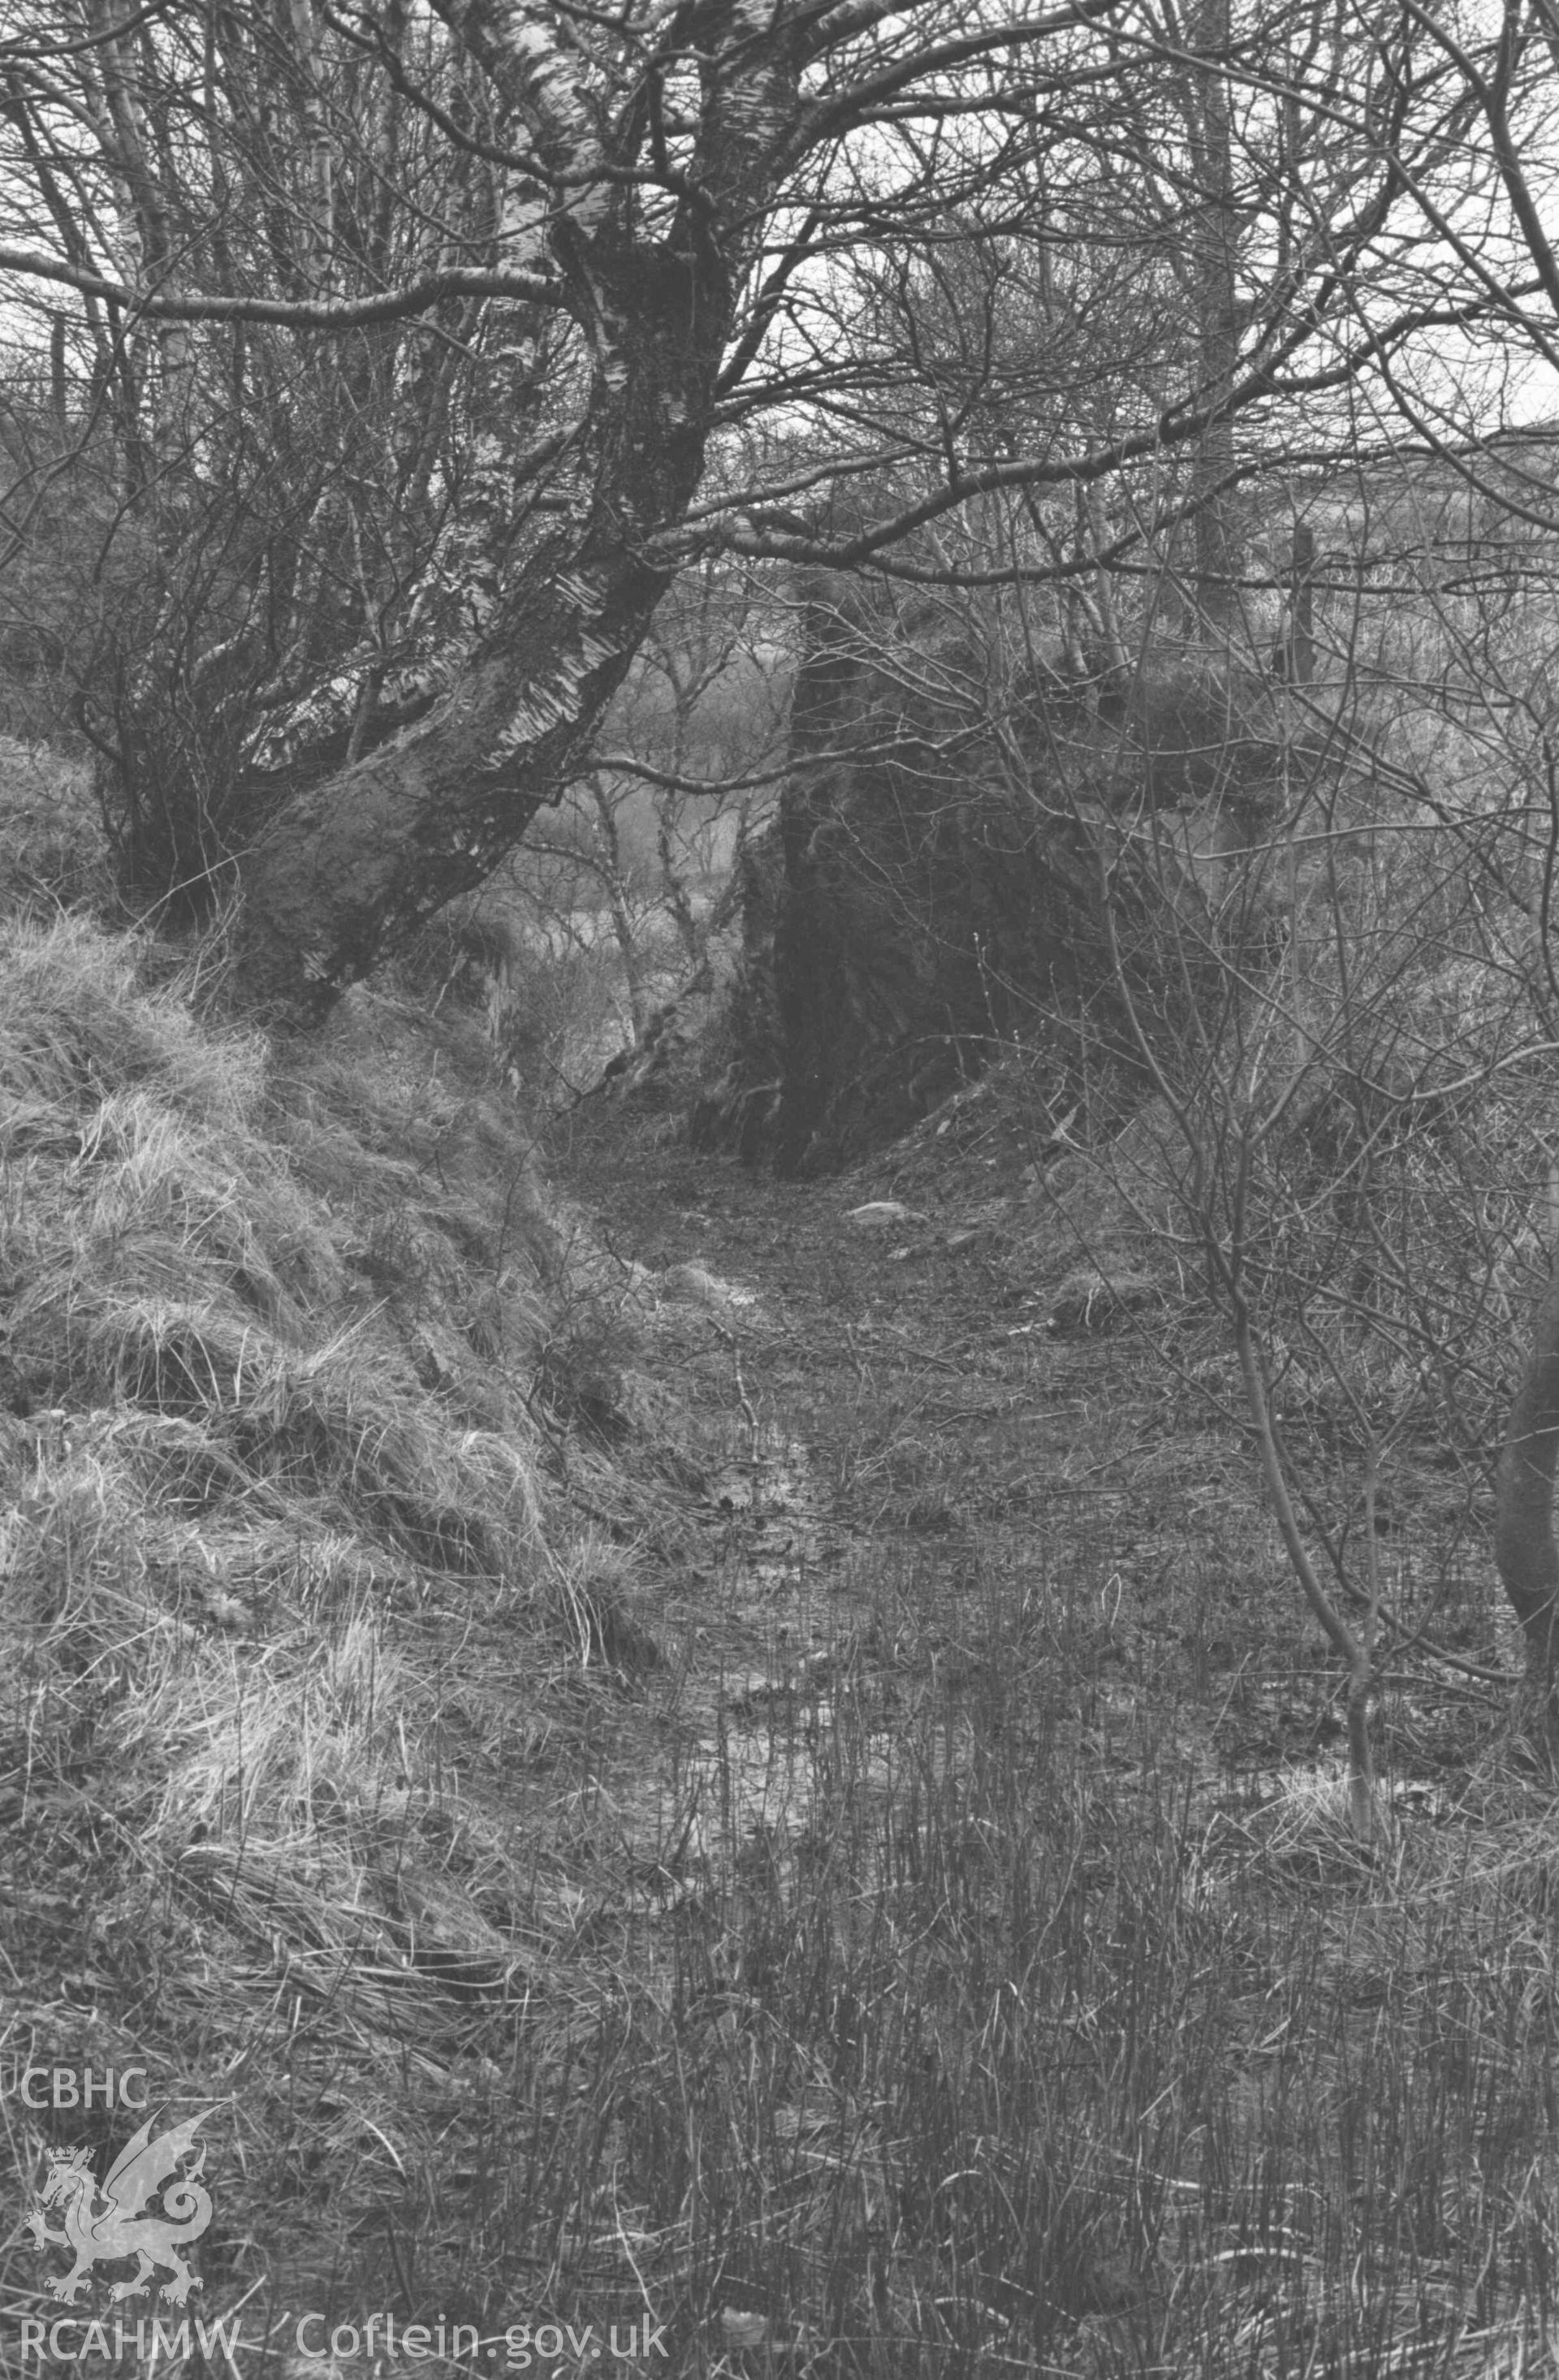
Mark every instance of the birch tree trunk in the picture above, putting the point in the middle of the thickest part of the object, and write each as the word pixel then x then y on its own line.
pixel 368 853
pixel 349 864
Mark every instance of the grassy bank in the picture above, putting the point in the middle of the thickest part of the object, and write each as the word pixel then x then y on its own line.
pixel 635 1801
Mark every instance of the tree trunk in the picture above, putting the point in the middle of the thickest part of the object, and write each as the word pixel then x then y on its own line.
pixel 678 898
pixel 349 867
pixel 1300 634
pixel 1524 1547
pixel 1216 234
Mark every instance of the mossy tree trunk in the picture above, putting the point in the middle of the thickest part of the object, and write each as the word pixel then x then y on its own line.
pixel 648 255
pixel 354 863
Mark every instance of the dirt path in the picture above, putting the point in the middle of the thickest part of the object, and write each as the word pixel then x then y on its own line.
pixel 909 1459
pixel 911 1480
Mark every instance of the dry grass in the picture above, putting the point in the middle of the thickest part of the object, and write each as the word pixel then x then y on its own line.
pixel 914 1994
pixel 285 1574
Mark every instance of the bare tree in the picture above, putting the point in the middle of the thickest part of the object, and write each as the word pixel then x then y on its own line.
pixel 672 211
pixel 262 541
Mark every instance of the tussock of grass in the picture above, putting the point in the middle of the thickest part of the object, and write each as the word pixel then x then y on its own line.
pixel 167 1263
pixel 280 1587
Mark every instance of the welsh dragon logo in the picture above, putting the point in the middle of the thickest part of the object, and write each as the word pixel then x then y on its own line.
pixel 122 2226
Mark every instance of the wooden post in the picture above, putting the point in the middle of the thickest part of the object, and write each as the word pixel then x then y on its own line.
pixel 1300 638
pixel 58 392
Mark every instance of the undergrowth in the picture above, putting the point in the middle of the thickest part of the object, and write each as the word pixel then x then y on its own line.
pixel 929 2004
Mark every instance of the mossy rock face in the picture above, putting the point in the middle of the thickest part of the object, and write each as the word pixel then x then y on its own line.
pixel 897 909
pixel 930 885
pixel 913 934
